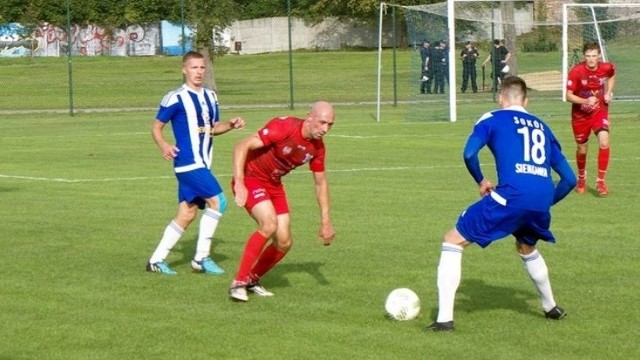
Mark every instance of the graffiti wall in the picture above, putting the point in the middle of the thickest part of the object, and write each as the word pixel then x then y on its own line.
pixel 242 37
pixel 49 40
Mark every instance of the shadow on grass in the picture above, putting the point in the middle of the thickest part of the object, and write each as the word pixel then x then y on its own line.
pixel 187 248
pixel 277 276
pixel 9 189
pixel 476 295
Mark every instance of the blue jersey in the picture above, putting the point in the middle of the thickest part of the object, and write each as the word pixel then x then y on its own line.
pixel 525 151
pixel 193 116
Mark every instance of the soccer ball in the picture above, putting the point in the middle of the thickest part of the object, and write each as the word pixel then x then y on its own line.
pixel 402 304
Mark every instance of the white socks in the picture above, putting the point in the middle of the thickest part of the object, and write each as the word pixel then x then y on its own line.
pixel 450 270
pixel 208 225
pixel 172 234
pixel 449 273
pixel 539 273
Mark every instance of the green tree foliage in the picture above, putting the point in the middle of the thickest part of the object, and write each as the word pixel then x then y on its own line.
pixel 317 10
pixel 29 13
pixel 207 19
pixel 204 16
pixel 106 13
pixel 252 9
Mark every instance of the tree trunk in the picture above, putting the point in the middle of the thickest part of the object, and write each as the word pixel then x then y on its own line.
pixel 510 34
pixel 209 78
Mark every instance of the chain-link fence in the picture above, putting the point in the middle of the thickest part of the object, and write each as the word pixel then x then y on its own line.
pixel 264 62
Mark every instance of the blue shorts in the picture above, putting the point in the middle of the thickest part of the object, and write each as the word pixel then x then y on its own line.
pixel 197 185
pixel 486 221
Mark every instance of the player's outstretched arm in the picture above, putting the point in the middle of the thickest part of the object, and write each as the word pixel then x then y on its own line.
pixel 236 123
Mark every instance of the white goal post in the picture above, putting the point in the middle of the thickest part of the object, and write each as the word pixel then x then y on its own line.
pixel 544 38
pixel 450 14
pixel 452 51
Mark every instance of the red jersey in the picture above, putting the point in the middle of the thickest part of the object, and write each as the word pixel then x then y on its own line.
pixel 585 83
pixel 285 149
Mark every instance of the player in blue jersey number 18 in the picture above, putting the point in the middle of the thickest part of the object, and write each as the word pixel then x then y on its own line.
pixel 525 152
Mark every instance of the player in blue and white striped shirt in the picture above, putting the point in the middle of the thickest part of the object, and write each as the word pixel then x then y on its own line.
pixel 525 151
pixel 194 116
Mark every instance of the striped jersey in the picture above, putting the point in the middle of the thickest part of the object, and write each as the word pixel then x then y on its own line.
pixel 193 115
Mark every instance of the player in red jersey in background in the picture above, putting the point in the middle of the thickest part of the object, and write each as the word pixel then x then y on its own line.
pixel 259 163
pixel 590 89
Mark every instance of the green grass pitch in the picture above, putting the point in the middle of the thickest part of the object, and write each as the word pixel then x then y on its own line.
pixel 84 200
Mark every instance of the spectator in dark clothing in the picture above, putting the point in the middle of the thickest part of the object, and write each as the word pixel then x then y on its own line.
pixel 469 55
pixel 500 68
pixel 445 49
pixel 426 74
pixel 439 62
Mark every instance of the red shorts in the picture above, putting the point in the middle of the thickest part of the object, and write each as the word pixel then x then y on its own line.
pixel 259 191
pixel 595 123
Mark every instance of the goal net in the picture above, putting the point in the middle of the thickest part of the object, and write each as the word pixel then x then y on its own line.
pixel 541 38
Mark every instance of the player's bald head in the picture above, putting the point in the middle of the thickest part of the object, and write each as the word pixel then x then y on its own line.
pixel 319 120
pixel 322 110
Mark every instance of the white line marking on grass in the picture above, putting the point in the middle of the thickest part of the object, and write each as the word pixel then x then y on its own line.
pixel 300 171
pixel 62 180
pixel 395 168
pixel 393 136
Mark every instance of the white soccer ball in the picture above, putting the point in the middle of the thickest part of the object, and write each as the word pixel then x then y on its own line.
pixel 402 304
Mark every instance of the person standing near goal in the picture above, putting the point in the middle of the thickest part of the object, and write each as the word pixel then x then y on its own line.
pixel 469 55
pixel 499 57
pixel 194 116
pixel 426 73
pixel 590 86
pixel 525 151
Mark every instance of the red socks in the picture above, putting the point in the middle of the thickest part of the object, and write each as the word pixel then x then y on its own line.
pixel 581 162
pixel 255 262
pixel 603 162
pixel 252 251
pixel 269 258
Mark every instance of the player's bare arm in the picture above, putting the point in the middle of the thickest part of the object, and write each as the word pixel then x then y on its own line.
pixel 236 123
pixel 167 150
pixel 507 58
pixel 240 151
pixel 326 232
pixel 611 83
pixel 573 98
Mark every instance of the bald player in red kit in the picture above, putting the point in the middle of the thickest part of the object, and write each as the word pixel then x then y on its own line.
pixel 590 89
pixel 259 163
